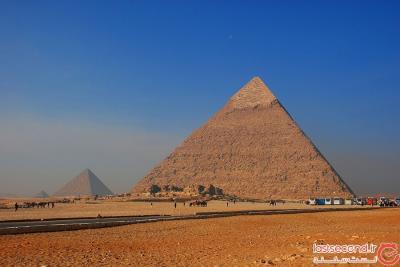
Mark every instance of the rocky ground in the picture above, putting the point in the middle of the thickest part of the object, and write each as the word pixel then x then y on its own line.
pixel 278 240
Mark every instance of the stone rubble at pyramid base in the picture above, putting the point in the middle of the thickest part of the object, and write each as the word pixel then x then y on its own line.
pixel 213 192
pixel 192 191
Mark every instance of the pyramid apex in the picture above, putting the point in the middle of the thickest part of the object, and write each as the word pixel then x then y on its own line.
pixel 257 79
pixel 254 93
pixel 87 170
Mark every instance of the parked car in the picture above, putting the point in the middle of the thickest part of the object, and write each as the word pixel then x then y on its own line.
pixel 311 201
pixel 338 201
pixel 386 202
pixel 372 201
pixel 348 202
pixel 320 201
pixel 360 201
pixel 328 201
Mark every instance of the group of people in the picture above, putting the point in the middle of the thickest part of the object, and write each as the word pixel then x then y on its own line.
pixel 272 203
pixel 201 203
pixel 234 202
pixel 34 204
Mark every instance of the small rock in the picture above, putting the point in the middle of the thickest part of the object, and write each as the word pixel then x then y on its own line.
pixel 292 257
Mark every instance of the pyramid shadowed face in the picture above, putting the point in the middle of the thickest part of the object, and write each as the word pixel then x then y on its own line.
pixel 251 148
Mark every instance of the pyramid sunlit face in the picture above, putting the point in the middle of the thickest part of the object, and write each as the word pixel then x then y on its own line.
pixel 86 183
pixel 251 148
pixel 253 94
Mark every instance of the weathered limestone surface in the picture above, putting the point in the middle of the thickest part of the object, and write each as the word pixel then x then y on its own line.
pixel 251 148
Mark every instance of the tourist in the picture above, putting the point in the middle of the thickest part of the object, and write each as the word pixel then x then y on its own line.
pixel 16 206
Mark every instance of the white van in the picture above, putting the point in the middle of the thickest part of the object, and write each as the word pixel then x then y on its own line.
pixel 338 201
pixel 348 202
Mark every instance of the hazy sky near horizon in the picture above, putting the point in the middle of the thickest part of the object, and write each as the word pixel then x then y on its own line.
pixel 114 86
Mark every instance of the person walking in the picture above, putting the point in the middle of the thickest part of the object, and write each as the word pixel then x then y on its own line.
pixel 16 206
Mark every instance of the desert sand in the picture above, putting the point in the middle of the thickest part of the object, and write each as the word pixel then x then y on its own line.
pixel 127 208
pixel 279 240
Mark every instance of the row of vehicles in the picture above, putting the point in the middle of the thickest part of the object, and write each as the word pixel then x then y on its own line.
pixel 372 201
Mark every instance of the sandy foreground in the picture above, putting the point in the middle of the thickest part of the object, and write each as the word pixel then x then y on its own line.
pixel 279 240
pixel 113 208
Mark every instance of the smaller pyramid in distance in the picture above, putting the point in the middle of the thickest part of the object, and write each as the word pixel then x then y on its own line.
pixel 41 194
pixel 85 184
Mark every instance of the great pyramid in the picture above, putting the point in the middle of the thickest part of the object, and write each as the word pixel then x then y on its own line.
pixel 251 148
pixel 86 184
pixel 41 194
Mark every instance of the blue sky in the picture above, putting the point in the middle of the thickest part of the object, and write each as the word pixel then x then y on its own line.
pixel 115 85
